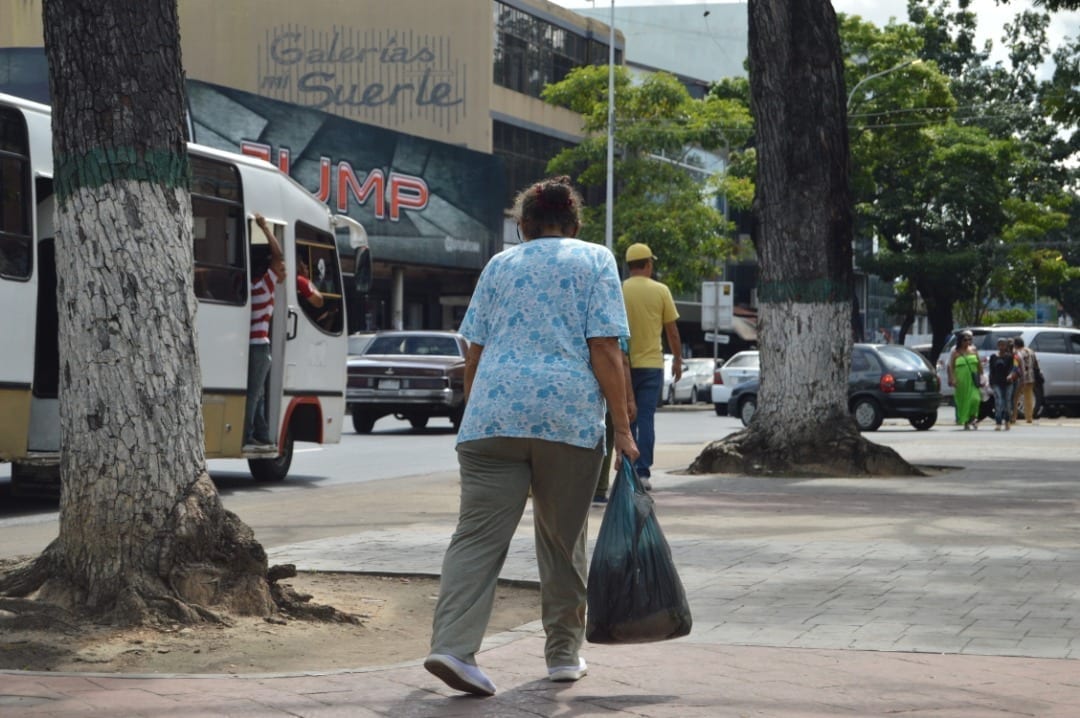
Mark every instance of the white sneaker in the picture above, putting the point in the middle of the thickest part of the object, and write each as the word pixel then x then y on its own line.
pixel 568 674
pixel 459 675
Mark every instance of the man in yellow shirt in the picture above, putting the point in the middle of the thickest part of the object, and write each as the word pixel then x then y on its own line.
pixel 651 312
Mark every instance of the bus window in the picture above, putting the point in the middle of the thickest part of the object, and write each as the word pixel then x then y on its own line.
pixel 16 240
pixel 317 254
pixel 217 208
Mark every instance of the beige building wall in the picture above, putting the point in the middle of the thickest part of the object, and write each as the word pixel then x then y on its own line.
pixel 422 67
pixel 415 66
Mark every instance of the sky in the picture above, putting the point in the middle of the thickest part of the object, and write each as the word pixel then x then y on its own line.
pixel 991 17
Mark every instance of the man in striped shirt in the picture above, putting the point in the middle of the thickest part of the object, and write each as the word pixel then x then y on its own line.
pixel 256 430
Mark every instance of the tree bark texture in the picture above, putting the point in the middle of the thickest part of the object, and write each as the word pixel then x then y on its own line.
pixel 803 236
pixel 142 529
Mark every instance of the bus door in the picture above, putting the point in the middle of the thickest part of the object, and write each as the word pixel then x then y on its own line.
pixel 260 260
pixel 222 289
pixel 18 283
pixel 317 335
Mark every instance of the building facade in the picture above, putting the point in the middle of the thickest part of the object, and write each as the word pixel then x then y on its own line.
pixel 420 119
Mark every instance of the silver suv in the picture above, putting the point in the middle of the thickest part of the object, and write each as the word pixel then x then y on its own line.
pixel 1058 351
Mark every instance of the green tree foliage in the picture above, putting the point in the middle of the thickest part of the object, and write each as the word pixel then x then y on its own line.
pixel 659 200
pixel 961 164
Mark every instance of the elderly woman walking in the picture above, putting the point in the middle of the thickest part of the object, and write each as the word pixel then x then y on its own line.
pixel 544 325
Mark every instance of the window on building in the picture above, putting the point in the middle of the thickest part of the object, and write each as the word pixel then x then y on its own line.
pixel 218 210
pixel 531 53
pixel 525 155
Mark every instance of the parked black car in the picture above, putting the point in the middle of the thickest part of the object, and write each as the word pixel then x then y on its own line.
pixel 886 381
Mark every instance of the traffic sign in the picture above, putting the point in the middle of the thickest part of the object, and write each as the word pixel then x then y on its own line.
pixel 717 305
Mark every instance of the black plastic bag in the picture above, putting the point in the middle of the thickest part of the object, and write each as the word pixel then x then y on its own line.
pixel 634 591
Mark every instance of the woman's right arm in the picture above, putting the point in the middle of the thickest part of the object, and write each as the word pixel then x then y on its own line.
pixel 607 364
pixel 472 361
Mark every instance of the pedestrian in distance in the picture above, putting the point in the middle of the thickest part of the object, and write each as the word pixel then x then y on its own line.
pixel 256 428
pixel 652 314
pixel 1003 373
pixel 965 375
pixel 1028 364
pixel 543 328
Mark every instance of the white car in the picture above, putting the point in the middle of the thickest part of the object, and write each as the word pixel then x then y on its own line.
pixel 697 376
pixel 358 342
pixel 744 366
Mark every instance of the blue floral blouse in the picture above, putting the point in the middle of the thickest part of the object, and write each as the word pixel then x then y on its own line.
pixel 534 307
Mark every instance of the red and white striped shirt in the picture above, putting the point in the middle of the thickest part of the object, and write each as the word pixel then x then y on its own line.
pixel 262 308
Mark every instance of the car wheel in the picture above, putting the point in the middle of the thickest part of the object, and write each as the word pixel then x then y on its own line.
pixel 924 421
pixel 455 417
pixel 747 408
pixel 277 468
pixel 362 421
pixel 867 414
pixel 721 409
pixel 418 422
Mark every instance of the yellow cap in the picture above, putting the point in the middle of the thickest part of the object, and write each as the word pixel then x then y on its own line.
pixel 638 251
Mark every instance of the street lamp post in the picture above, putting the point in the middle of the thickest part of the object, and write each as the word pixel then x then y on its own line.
pixel 860 83
pixel 862 279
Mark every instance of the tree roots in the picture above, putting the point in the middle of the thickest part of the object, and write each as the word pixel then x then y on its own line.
pixel 208 566
pixel 297 605
pixel 843 453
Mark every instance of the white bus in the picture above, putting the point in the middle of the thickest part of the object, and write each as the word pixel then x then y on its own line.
pixel 306 396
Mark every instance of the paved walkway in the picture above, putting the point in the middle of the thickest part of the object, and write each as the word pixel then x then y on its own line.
pixel 952 595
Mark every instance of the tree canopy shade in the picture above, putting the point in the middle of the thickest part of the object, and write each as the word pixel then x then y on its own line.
pixel 959 164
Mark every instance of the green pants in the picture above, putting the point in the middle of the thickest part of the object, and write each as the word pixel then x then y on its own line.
pixel 496 475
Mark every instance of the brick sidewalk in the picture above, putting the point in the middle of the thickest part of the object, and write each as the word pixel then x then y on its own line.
pixel 953 595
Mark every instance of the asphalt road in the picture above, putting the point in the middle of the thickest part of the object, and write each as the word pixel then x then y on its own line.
pixel 395 451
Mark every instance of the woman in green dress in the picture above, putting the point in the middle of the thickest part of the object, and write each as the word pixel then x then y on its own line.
pixel 965 374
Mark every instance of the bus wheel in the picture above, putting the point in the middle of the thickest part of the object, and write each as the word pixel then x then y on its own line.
pixel 275 469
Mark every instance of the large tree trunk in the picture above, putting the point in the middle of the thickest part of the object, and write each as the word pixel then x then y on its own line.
pixel 142 529
pixel 803 238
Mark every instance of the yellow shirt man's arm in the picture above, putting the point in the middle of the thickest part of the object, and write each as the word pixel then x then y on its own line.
pixel 672 332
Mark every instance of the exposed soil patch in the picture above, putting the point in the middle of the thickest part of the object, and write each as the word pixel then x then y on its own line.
pixel 395 625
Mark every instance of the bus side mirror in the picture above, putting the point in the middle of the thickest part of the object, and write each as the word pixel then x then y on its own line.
pixel 362 270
